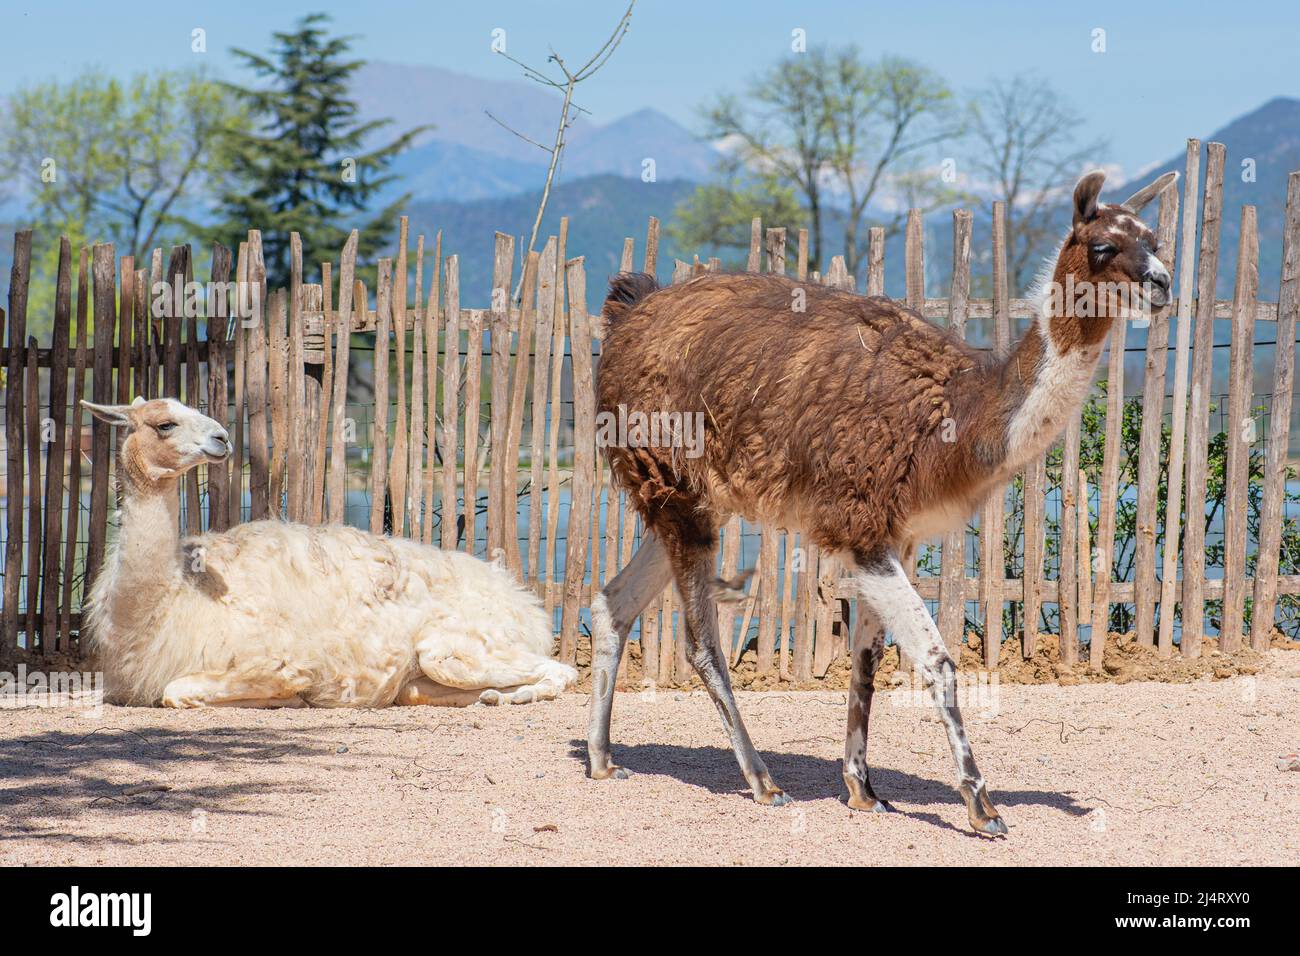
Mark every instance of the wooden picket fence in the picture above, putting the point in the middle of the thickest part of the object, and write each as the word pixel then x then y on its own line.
pixel 492 448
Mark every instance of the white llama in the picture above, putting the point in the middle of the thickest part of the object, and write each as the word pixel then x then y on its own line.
pixel 270 614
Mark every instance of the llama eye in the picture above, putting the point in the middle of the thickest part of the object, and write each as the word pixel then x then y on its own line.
pixel 1102 248
pixel 165 427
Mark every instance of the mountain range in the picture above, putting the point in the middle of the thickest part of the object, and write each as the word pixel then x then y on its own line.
pixel 470 174
pixel 468 155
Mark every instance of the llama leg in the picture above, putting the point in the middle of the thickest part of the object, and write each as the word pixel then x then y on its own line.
pixel 693 568
pixel 546 681
pixel 421 691
pixel 230 690
pixel 505 675
pixel 883 585
pixel 613 611
pixel 868 648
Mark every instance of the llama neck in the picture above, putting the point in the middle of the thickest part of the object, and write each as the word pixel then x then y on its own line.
pixel 1051 369
pixel 147 537
pixel 146 555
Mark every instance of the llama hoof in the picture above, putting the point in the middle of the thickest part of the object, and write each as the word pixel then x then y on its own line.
pixel 861 796
pixel 870 806
pixel 992 827
pixel 984 817
pixel 612 771
pixel 772 798
pixel 492 698
pixel 182 703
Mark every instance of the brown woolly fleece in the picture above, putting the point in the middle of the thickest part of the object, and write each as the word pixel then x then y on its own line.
pixel 816 419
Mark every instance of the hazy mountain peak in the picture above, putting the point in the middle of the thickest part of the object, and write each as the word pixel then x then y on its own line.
pixel 457 105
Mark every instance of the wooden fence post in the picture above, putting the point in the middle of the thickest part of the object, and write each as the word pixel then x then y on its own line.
pixel 584 408
pixel 415 481
pixel 105 296
pixel 1103 561
pixel 1240 432
pixel 239 368
pixel 259 465
pixel 278 398
pixel 399 464
pixel 379 423
pixel 321 297
pixel 1270 515
pixel 499 325
pixel 472 416
pixel 301 412
pixel 1178 426
pixel 53 549
pixel 432 326
pixel 1198 414
pixel 993 518
pixel 541 369
pixel 338 450
pixel 450 398
pixel 551 594
pixel 1067 593
pixel 32 401
pixel 74 458
pixel 193 393
pixel 1153 401
pixel 952 570
pixel 217 327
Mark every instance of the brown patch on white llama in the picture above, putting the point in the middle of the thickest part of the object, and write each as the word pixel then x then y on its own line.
pixel 854 421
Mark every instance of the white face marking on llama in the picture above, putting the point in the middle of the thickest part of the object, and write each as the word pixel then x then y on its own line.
pixel 165 437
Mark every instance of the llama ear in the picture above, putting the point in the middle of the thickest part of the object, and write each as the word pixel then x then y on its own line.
pixel 1085 196
pixel 112 414
pixel 1144 195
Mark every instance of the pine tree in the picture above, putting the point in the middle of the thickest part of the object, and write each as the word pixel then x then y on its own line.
pixel 304 169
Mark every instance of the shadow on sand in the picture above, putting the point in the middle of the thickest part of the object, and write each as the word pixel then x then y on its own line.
pixel 805 777
pixel 49 780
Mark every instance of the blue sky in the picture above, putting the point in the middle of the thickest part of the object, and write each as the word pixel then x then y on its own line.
pixel 1171 69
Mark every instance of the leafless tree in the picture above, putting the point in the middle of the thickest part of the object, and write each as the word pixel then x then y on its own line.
pixel 1027 151
pixel 567 83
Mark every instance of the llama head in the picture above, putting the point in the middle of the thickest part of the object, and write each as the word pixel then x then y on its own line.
pixel 1107 267
pixel 164 439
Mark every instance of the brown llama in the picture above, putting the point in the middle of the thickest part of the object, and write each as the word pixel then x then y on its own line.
pixel 855 422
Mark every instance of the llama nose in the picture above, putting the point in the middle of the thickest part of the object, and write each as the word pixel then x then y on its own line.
pixel 1158 284
pixel 221 439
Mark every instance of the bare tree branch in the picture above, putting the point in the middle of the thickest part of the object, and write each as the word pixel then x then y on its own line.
pixel 568 112
pixel 511 129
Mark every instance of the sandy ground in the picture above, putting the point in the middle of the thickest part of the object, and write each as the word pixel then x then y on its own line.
pixel 1139 773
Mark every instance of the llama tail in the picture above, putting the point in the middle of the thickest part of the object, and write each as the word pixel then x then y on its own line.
pixel 625 290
